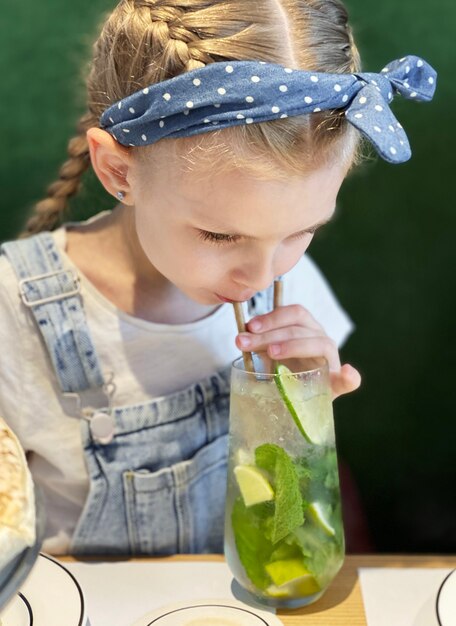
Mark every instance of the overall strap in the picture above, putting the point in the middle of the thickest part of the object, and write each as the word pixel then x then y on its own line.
pixel 261 303
pixel 51 292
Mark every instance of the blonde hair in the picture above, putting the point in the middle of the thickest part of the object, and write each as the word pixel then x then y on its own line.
pixel 146 41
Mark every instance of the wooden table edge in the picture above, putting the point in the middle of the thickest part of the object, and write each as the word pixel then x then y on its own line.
pixel 341 605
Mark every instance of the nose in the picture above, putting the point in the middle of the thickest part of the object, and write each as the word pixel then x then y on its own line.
pixel 256 274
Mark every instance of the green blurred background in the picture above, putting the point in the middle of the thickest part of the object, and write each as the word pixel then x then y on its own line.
pixel 389 254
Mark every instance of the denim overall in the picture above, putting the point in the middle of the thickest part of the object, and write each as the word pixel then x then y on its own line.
pixel 158 487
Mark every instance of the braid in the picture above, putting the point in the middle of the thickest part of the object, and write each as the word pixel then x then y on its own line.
pixel 173 48
pixel 173 43
pixel 49 212
pixel 143 42
pixel 168 38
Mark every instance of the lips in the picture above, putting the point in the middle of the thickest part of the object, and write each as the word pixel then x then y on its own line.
pixel 223 299
pixel 241 298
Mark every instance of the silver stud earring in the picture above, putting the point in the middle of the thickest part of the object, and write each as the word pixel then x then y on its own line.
pixel 120 195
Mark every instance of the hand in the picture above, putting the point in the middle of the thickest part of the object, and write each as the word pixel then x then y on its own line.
pixel 291 332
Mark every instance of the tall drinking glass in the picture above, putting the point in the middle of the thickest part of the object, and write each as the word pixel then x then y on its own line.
pixel 284 540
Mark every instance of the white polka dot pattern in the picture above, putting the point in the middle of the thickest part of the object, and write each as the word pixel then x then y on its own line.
pixel 247 92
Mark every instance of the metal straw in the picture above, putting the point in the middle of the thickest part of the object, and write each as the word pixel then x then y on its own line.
pixel 240 321
pixel 239 313
pixel 278 291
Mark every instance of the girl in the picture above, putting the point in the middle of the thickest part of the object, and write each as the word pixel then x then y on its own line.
pixel 225 128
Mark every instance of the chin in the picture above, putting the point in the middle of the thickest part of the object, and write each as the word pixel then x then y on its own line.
pixel 205 298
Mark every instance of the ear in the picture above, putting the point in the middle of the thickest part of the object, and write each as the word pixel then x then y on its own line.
pixel 111 162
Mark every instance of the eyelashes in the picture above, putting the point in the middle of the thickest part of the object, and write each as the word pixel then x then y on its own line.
pixel 221 238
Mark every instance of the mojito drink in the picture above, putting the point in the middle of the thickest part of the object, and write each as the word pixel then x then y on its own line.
pixel 284 538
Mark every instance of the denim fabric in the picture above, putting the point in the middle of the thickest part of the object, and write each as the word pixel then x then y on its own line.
pixel 234 93
pixel 60 320
pixel 159 486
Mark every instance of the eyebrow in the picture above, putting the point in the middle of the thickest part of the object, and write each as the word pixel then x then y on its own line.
pixel 308 229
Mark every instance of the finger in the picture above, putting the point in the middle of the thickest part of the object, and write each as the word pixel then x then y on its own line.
pixel 345 381
pixel 291 315
pixel 251 341
pixel 311 347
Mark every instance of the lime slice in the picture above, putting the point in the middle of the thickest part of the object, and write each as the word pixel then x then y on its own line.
pixel 255 488
pixel 313 416
pixel 305 586
pixel 300 587
pixel 291 578
pixel 319 514
pixel 286 570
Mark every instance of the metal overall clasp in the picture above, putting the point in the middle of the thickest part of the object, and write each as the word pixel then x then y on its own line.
pixel 101 421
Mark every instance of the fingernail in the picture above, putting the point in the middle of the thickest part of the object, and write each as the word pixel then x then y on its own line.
pixel 255 325
pixel 245 341
pixel 274 349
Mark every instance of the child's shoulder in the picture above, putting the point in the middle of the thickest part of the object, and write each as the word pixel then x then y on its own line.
pixel 8 281
pixel 14 322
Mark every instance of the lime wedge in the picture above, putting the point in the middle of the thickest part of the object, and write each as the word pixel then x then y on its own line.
pixel 319 515
pixel 313 416
pixel 291 579
pixel 299 587
pixel 305 586
pixel 286 570
pixel 255 488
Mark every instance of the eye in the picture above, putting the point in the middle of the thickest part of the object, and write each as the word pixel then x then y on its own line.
pixel 206 235
pixel 304 233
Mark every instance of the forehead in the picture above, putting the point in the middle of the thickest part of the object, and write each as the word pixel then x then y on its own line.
pixel 229 197
pixel 221 151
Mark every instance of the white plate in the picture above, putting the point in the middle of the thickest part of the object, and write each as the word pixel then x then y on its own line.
pixel 209 613
pixel 54 595
pixel 446 601
pixel 18 612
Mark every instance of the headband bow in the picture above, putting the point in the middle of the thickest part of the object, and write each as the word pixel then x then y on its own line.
pixel 225 94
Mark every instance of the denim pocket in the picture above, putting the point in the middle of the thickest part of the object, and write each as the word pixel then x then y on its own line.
pixel 179 509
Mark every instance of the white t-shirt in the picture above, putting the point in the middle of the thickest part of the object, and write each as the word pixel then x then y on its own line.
pixel 148 360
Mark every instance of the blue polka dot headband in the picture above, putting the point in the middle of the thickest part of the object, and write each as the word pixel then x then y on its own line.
pixel 225 94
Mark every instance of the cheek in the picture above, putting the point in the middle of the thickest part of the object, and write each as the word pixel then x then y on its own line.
pixel 150 243
pixel 213 266
pixel 208 262
pixel 191 263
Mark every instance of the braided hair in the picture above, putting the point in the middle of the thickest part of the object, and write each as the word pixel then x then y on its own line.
pixel 146 41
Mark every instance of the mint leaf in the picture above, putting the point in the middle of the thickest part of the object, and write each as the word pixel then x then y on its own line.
pixel 324 472
pixel 288 513
pixel 253 548
pixel 285 551
pixel 332 473
pixel 322 558
pixel 302 470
